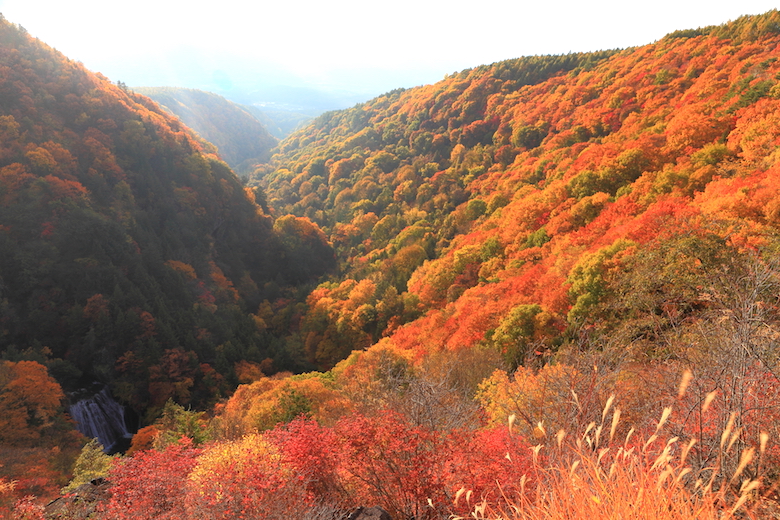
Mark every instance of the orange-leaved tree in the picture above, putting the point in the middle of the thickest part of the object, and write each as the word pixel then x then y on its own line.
pixel 29 400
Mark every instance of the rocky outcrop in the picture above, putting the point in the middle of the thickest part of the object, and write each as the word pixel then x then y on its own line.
pixel 372 513
pixel 81 503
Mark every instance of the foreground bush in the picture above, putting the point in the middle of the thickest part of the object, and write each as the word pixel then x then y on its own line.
pixel 150 485
pixel 246 478
pixel 305 470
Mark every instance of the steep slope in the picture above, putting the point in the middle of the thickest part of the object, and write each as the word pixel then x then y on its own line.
pixel 504 202
pixel 241 139
pixel 127 253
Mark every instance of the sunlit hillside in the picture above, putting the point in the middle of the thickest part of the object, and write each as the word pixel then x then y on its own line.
pixel 534 190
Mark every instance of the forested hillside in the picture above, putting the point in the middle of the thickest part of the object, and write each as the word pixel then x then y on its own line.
pixel 128 253
pixel 241 139
pixel 532 190
pixel 548 288
pixel 123 239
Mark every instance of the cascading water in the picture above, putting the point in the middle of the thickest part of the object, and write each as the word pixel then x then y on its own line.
pixel 103 418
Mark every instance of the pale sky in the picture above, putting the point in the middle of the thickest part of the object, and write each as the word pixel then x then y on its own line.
pixel 365 47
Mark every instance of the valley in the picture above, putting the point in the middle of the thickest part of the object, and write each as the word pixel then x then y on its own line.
pixel 545 287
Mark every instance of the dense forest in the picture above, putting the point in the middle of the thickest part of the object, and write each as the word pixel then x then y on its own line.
pixel 241 139
pixel 542 288
pixel 129 253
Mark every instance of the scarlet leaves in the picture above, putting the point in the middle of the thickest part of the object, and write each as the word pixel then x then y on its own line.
pixel 148 486
pixel 312 452
pixel 412 471
pixel 396 464
pixel 495 465
pixel 382 458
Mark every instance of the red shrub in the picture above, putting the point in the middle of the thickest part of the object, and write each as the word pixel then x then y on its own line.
pixel 312 452
pixel 491 464
pixel 387 461
pixel 27 509
pixel 151 484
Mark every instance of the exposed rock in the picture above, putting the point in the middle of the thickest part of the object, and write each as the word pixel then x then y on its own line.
pixel 81 503
pixel 372 513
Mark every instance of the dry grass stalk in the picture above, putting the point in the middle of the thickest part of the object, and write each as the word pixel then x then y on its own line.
pixel 638 480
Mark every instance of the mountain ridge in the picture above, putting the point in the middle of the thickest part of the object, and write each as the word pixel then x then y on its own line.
pixel 241 139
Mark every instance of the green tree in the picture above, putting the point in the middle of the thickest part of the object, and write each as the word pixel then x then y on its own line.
pixel 92 463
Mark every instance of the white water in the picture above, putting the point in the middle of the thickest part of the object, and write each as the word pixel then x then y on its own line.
pixel 101 417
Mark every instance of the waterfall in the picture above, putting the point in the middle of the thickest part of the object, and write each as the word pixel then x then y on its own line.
pixel 103 418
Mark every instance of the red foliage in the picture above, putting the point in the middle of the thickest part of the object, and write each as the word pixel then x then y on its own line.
pixel 150 484
pixel 311 450
pixel 27 509
pixel 495 465
pixel 389 461
pixel 409 470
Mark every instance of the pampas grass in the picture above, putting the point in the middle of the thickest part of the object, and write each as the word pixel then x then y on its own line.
pixel 596 476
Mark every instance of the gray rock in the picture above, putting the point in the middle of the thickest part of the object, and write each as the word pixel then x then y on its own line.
pixel 372 513
pixel 81 503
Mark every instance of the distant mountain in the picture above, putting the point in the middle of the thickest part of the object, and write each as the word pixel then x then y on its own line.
pixel 242 140
pixel 288 96
pixel 281 122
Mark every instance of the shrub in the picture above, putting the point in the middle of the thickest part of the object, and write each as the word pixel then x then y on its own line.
pixel 245 478
pixel 149 485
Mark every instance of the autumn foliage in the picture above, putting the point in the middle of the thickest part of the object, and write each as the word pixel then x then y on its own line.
pixel 486 290
pixel 147 486
pixel 411 471
pixel 130 252
pixel 29 401
pixel 517 187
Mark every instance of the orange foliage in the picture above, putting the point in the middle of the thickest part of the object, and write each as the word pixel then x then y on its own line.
pixel 143 439
pixel 186 269
pixel 29 400
pixel 261 405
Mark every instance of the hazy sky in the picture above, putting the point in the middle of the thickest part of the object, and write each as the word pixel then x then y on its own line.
pixel 365 47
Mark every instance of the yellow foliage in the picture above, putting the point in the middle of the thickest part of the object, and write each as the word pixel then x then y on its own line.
pixel 366 374
pixel 244 478
pixel 238 455
pixel 361 294
pixel 547 396
pixel 267 401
